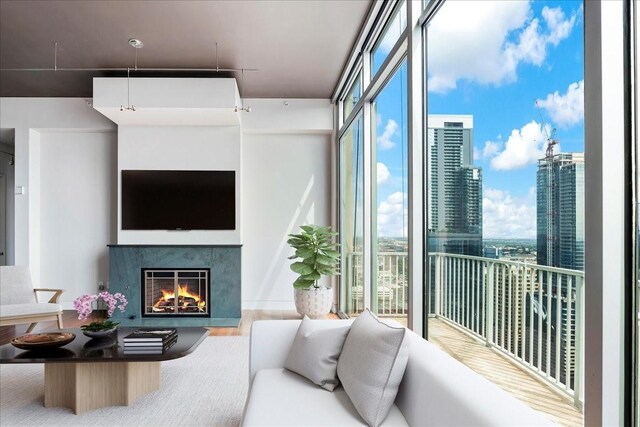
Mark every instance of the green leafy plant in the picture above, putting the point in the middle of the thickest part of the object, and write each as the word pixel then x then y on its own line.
pixel 99 326
pixel 318 255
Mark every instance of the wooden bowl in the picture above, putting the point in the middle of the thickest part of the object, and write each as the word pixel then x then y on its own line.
pixel 43 341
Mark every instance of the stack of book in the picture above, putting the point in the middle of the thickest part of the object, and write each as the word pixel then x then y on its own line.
pixel 150 340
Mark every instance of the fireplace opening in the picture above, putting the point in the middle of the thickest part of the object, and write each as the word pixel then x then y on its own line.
pixel 175 292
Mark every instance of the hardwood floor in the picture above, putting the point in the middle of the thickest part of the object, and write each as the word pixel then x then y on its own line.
pixel 70 319
pixel 498 369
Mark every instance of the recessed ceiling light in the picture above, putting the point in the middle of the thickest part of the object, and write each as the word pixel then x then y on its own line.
pixel 136 43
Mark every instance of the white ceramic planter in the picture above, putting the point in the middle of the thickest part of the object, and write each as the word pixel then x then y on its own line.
pixel 315 302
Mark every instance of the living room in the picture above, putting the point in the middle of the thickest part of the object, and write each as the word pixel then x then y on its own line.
pixel 220 169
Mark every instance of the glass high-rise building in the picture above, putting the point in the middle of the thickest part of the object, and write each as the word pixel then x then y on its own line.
pixel 560 211
pixel 455 186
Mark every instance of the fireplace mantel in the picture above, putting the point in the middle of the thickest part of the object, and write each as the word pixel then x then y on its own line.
pixel 126 263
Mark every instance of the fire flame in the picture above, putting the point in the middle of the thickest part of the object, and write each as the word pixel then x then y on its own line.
pixel 183 291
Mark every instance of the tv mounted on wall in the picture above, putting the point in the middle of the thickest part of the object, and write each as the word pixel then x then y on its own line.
pixel 178 200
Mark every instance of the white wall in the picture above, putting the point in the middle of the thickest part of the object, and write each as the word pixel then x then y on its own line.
pixel 78 210
pixel 286 184
pixel 8 170
pixel 181 148
pixel 30 117
pixel 283 164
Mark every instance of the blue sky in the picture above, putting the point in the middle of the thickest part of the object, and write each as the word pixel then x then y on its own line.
pixel 492 60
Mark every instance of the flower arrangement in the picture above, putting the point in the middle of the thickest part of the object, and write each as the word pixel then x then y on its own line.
pixel 83 305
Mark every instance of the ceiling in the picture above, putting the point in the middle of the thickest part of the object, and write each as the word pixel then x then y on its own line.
pixel 299 47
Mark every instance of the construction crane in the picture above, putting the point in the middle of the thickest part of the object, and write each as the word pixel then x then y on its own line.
pixel 551 190
pixel 551 140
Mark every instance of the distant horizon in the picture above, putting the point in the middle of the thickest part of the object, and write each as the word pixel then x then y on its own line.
pixel 533 239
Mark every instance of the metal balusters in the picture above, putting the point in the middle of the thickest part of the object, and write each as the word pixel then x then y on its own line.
pixel 548 277
pixel 568 335
pixel 473 284
pixel 465 269
pixel 509 310
pixel 558 313
pixel 531 335
pixel 501 302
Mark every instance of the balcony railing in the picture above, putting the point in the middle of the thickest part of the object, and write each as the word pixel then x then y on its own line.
pixel 391 286
pixel 531 313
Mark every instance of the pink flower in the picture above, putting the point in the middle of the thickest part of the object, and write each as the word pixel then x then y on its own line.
pixel 83 304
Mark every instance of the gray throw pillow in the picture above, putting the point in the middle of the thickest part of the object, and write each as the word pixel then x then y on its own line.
pixel 315 351
pixel 371 366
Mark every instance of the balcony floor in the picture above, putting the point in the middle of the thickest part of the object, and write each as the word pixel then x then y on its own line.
pixel 509 376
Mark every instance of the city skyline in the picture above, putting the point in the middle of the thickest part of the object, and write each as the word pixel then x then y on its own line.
pixel 519 78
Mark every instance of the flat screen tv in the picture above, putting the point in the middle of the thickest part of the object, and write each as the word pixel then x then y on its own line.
pixel 178 200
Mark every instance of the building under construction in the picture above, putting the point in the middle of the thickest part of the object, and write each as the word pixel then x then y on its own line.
pixel 560 210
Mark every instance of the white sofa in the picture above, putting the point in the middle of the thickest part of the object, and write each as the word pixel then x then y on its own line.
pixel 436 390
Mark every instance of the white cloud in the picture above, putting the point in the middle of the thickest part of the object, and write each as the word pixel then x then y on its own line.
pixel 394 30
pixel 392 215
pixel 559 27
pixel 383 173
pixel 565 109
pixel 477 154
pixel 490 149
pixel 385 141
pixel 524 147
pixel 486 41
pixel 505 216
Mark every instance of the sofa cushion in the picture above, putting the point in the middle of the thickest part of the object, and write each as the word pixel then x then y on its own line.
pixel 15 285
pixel 315 351
pixel 281 398
pixel 371 366
pixel 12 310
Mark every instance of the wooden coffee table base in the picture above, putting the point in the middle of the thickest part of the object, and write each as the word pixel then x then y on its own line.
pixel 87 386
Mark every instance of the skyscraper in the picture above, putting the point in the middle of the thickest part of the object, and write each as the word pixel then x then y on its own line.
pixel 455 186
pixel 560 211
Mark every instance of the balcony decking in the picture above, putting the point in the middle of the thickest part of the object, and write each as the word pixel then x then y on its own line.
pixel 508 375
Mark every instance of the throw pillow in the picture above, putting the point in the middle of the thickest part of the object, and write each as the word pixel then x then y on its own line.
pixel 371 366
pixel 315 351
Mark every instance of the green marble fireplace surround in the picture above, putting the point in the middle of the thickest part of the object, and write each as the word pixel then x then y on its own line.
pixel 126 263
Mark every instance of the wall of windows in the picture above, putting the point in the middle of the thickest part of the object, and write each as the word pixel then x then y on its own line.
pixel 373 147
pixel 483 102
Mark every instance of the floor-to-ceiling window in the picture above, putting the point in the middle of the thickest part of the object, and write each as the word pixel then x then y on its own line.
pixel 500 143
pixel 390 198
pixel 373 173
pixel 352 217
pixel 505 184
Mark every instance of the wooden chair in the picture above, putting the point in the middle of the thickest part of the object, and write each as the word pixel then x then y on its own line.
pixel 19 301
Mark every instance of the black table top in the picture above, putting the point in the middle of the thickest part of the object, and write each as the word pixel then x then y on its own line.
pixel 88 350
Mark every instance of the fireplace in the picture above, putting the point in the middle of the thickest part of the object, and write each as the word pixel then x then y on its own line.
pixel 175 292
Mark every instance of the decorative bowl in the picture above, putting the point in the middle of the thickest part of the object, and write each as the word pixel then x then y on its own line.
pixel 43 341
pixel 100 334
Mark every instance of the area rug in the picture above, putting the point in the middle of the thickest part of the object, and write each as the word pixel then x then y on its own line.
pixel 208 387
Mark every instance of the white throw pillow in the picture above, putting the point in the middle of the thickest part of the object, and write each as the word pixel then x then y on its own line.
pixel 315 351
pixel 371 366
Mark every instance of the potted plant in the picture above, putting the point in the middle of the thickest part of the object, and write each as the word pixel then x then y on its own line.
pixel 317 256
pixel 100 328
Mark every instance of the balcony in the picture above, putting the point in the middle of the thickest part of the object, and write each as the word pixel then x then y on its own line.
pixel 520 325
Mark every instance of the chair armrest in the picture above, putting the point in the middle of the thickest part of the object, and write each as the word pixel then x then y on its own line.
pixel 54 298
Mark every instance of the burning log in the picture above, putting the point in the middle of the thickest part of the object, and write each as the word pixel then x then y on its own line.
pixel 187 302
